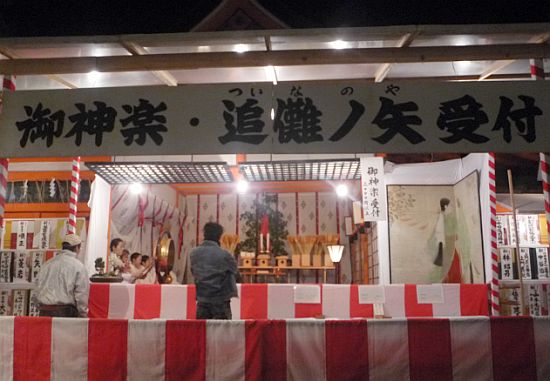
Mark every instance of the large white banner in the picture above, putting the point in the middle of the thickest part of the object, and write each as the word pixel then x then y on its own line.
pixel 308 117
pixel 373 189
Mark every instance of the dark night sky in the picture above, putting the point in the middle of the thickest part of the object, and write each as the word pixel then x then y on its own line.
pixel 87 17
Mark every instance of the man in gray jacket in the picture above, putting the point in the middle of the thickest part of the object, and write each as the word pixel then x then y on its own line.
pixel 215 272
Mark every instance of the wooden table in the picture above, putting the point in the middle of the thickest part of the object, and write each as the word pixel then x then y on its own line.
pixel 252 272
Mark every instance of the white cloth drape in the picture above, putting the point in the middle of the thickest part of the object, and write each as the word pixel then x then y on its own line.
pixel 97 245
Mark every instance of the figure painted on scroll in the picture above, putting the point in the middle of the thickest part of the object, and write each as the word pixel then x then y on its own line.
pixel 442 244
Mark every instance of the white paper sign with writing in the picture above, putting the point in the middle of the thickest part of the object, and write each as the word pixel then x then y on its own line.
pixel 33 306
pixel 506 261
pixel 37 260
pixel 20 269
pixel 44 235
pixel 542 263
pixel 19 302
pixel 5 267
pixel 307 294
pixel 373 188
pixel 21 235
pixel 4 304
pixel 525 263
pixel 369 294
pixel 429 294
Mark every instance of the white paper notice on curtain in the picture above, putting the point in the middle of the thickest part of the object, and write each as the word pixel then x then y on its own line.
pixel 373 189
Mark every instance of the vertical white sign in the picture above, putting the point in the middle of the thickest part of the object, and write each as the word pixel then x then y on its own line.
pixel 501 230
pixel 373 188
pixel 4 303
pixel 525 259
pixel 21 235
pixel 19 302
pixel 542 263
pixel 33 306
pixel 507 270
pixel 20 269
pixel 44 235
pixel 535 299
pixel 5 267
pixel 37 259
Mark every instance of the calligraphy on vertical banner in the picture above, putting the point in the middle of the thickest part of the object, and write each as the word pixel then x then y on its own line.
pixel 44 236
pixel 542 263
pixel 21 243
pixel 506 264
pixel 525 259
pixel 5 267
pixel 20 269
pixel 515 302
pixel 4 303
pixel 19 302
pixel 33 306
pixel 373 189
pixel 502 230
pixel 535 297
pixel 37 260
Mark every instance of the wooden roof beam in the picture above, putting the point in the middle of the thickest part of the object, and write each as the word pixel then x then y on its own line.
pixel 138 50
pixel 6 52
pixel 383 70
pixel 498 65
pixel 276 58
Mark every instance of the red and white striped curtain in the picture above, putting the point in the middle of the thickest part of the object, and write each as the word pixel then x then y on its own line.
pixel 303 350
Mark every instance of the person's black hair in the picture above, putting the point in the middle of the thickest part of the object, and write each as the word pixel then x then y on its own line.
pixel 68 246
pixel 114 243
pixel 125 252
pixel 144 258
pixel 212 231
pixel 134 256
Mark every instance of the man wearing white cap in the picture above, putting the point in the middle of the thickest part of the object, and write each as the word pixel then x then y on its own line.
pixel 62 283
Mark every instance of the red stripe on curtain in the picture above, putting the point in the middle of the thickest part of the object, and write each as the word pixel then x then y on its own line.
pixel 98 306
pixel 254 301
pixel 32 348
pixel 513 343
pixel 147 301
pixel 185 350
pixel 347 350
pixel 107 349
pixel 430 355
pixel 265 353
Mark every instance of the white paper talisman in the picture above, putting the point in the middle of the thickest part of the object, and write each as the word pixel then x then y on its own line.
pixel 535 297
pixel 5 267
pixel 502 223
pixel 19 302
pixel 37 260
pixel 369 294
pixel 429 293
pixel 307 294
pixel 44 234
pixel 33 306
pixel 525 259
pixel 20 269
pixel 542 263
pixel 21 235
pixel 4 303
pixel 506 262
pixel 373 188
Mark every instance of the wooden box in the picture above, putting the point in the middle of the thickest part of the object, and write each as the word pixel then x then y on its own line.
pixel 282 261
pixel 262 260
